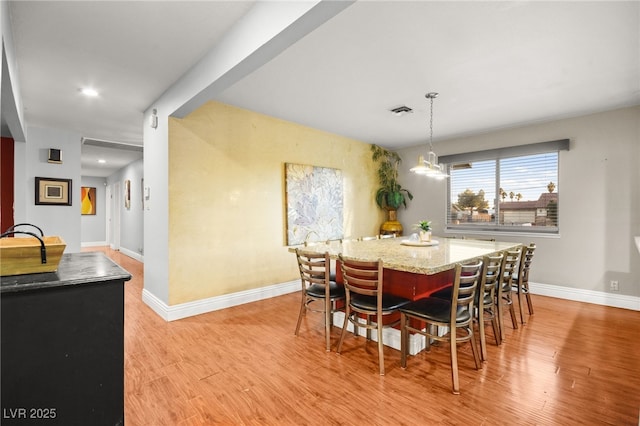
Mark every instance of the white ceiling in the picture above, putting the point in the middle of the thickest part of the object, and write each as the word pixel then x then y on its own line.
pixel 495 64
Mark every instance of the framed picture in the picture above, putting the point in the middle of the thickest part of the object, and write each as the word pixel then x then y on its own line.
pixel 88 200
pixel 53 191
pixel 314 203
pixel 127 194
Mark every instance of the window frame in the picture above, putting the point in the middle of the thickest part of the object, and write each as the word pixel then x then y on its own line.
pixel 497 155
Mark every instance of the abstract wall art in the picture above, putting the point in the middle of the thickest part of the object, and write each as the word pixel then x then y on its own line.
pixel 314 198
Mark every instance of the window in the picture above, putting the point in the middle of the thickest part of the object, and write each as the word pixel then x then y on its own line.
pixel 511 189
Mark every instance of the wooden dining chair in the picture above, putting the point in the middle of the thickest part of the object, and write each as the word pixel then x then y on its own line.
pixel 364 287
pixel 486 300
pixel 318 287
pixel 520 280
pixel 456 314
pixel 504 297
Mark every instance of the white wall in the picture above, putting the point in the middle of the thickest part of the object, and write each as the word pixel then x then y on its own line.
pixel 599 207
pixel 131 219
pixel 12 110
pixel 62 221
pixel 247 47
pixel 93 227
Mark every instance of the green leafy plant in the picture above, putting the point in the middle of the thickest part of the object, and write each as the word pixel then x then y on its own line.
pixel 390 195
pixel 424 225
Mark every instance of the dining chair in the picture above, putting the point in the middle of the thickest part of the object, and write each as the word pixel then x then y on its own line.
pixel 456 314
pixel 520 280
pixel 486 306
pixel 504 296
pixel 318 287
pixel 364 287
pixel 486 301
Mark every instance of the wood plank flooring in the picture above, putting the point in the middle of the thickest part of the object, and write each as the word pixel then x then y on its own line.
pixel 571 364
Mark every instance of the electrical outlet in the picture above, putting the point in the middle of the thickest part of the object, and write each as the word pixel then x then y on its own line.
pixel 613 285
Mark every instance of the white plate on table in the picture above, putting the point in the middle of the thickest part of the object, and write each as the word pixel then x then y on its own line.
pixel 419 243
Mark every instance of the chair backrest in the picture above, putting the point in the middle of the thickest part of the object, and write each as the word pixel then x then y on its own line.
pixel 314 268
pixel 465 286
pixel 362 277
pixel 525 262
pixel 491 275
pixel 509 267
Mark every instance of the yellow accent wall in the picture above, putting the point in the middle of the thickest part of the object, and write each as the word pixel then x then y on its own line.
pixel 227 214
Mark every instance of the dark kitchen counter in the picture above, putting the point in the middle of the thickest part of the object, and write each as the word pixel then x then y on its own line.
pixel 63 344
pixel 74 269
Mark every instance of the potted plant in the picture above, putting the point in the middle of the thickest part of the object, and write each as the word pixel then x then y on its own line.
pixel 425 230
pixel 390 195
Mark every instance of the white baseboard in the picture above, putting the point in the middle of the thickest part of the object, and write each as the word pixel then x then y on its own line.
pixel 184 310
pixel 132 254
pixel 588 296
pixel 94 244
pixel 390 336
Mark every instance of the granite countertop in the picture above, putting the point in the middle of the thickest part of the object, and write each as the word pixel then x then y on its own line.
pixel 422 260
pixel 74 269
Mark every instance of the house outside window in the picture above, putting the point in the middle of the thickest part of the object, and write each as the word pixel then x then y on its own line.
pixel 510 189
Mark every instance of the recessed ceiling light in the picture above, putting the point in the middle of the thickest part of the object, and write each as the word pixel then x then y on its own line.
pixel 101 161
pixel 89 92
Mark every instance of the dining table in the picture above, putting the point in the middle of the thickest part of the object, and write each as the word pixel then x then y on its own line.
pixel 412 269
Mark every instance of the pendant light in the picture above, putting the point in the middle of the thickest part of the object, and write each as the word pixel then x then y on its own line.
pixel 430 166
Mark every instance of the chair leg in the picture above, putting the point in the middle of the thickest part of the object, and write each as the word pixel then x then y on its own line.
pixel 474 348
pixel 483 342
pixel 327 323
pixel 512 311
pixel 500 306
pixel 380 346
pixel 520 307
pixel 427 343
pixel 347 312
pixel 497 332
pixel 453 348
pixel 528 295
pixel 303 309
pixel 404 340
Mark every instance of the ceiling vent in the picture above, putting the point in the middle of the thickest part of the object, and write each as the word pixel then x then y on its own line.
pixel 101 143
pixel 401 110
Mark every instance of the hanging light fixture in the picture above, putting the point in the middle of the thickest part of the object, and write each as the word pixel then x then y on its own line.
pixel 430 166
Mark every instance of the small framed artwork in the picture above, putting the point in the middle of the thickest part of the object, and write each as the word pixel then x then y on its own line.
pixel 53 191
pixel 88 200
pixel 127 194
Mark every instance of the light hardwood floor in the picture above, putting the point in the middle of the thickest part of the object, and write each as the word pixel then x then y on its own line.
pixel 571 364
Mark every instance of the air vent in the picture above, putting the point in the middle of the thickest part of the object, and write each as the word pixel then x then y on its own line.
pixel 401 110
pixel 101 143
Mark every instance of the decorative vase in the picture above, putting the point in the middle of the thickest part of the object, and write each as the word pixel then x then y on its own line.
pixel 391 226
pixel 425 236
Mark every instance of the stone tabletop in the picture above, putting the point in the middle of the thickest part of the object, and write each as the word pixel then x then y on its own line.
pixel 74 269
pixel 421 260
